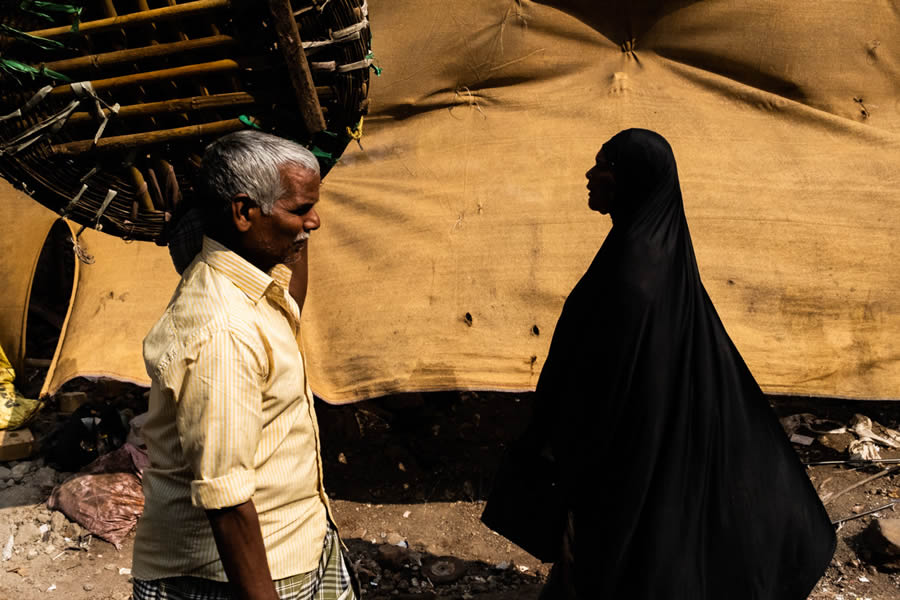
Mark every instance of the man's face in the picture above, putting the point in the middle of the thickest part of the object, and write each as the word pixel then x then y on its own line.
pixel 601 185
pixel 281 237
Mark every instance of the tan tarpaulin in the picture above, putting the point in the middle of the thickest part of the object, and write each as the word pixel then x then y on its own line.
pixel 449 244
pixel 469 197
pixel 26 225
pixel 118 298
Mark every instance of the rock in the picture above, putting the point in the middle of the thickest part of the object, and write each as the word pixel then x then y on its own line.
pixel 32 554
pixel 882 539
pixel 70 401
pixel 838 442
pixel 42 515
pixel 45 477
pixel 21 495
pixel 87 587
pixel 20 470
pixel 395 539
pixel 28 533
pixel 75 531
pixel 443 569
pixel 58 521
pixel 5 473
pixel 8 547
pixel 392 557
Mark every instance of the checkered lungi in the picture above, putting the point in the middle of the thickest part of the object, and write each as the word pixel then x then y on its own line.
pixel 330 581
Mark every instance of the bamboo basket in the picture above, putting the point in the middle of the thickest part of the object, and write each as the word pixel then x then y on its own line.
pixel 106 105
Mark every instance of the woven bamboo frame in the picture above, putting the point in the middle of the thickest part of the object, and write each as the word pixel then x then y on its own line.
pixel 165 78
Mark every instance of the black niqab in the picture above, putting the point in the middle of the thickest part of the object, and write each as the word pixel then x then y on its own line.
pixel 682 482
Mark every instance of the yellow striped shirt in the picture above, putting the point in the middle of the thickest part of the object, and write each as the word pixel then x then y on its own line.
pixel 231 418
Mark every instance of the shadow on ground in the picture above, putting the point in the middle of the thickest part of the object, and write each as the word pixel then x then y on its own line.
pixel 413 448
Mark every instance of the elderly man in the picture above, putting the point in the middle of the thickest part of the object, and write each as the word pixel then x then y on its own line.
pixel 235 505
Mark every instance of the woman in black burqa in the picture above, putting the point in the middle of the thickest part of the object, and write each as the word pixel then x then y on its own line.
pixel 671 466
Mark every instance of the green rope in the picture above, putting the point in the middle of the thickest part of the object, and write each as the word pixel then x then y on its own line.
pixel 318 152
pixel 38 41
pixel 41 5
pixel 249 122
pixel 50 7
pixel 10 66
pixel 374 67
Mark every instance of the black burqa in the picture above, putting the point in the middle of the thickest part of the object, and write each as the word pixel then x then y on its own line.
pixel 680 479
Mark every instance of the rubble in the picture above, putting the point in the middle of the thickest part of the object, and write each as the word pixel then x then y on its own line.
pixel 882 539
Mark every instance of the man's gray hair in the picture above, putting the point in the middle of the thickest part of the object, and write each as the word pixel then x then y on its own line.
pixel 248 162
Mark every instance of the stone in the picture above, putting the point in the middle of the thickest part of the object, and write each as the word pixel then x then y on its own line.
pixel 28 533
pixel 5 473
pixel 392 557
pixel 15 444
pixel 20 470
pixel 44 477
pixel 70 401
pixel 394 538
pixel 58 521
pixel 31 554
pixel 882 539
pixel 21 495
pixel 838 442
pixel 87 587
pixel 75 531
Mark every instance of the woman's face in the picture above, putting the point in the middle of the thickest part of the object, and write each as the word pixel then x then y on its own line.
pixel 601 185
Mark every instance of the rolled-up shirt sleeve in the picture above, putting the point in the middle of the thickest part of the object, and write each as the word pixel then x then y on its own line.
pixel 219 418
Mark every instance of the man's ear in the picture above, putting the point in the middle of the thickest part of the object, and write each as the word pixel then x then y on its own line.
pixel 242 214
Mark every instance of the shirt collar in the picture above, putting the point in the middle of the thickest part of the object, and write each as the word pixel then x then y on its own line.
pixel 247 277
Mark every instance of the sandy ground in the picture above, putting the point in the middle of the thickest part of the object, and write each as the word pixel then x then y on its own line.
pixel 411 473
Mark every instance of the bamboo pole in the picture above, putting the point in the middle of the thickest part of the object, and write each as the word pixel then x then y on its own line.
pixel 136 140
pixel 178 105
pixel 109 8
pixel 291 47
pixel 143 192
pixel 162 75
pixel 219 66
pixel 134 54
pixel 167 13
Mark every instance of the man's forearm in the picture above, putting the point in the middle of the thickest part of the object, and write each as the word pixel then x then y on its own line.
pixel 240 544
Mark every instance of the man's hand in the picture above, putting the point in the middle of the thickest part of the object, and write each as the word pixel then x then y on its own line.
pixel 239 540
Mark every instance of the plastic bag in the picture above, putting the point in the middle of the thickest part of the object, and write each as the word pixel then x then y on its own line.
pixel 15 409
pixel 106 498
